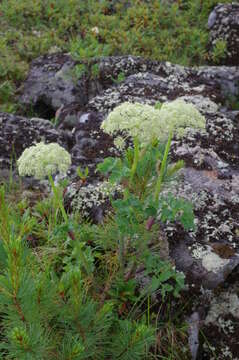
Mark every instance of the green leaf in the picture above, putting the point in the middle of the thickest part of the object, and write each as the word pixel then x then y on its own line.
pixel 155 284
pixel 107 165
pixel 164 276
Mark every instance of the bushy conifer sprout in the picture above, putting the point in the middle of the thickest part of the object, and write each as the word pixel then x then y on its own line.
pixel 41 160
pixel 147 123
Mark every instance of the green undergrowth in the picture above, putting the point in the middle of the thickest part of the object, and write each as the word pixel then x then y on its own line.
pixel 169 31
pixel 72 289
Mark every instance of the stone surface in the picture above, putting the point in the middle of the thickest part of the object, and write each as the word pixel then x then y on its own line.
pixel 223 23
pixel 51 83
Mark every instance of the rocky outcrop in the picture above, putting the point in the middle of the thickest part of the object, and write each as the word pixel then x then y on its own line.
pixel 52 83
pixel 223 24
pixel 209 256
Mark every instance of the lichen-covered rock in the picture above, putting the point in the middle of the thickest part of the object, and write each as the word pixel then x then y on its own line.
pixel 226 77
pixel 52 83
pixel 154 83
pixel 18 133
pixel 221 326
pixel 223 23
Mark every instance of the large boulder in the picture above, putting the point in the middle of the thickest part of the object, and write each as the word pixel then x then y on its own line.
pixel 52 83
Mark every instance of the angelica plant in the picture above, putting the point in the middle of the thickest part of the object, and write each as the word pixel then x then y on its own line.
pixel 147 123
pixel 142 172
pixel 42 160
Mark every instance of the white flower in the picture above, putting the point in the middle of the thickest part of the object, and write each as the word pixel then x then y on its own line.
pixel 41 160
pixel 119 142
pixel 95 30
pixel 147 123
pixel 181 116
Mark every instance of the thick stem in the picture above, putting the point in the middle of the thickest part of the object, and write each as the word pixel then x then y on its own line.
pixel 135 161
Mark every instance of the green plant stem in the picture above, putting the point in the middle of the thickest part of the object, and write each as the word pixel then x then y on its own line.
pixel 148 310
pixel 163 167
pixel 58 200
pixel 135 161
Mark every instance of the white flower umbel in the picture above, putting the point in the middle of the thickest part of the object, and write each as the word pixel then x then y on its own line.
pixel 181 116
pixel 135 120
pixel 147 123
pixel 41 160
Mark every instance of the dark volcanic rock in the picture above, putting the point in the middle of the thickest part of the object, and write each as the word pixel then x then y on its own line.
pixel 50 84
pixel 223 24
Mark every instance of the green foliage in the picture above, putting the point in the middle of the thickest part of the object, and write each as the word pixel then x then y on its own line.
pixel 82 173
pixel 155 29
pixel 51 312
pixel 164 277
pixel 219 51
pixel 138 176
pixel 89 47
pixel 139 172
pixel 119 79
pixel 232 102
pixel 158 105
pixel 176 209
pixel 76 294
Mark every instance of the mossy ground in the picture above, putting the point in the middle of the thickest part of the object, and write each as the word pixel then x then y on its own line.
pixel 173 31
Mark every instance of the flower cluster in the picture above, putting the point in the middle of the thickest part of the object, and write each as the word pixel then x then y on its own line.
pixel 181 116
pixel 41 160
pixel 147 123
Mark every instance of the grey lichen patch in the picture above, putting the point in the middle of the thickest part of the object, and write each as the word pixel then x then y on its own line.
pixel 88 197
pixel 203 104
pixel 226 304
pixel 215 206
pixel 221 128
pixel 18 133
pixel 210 260
pixel 221 325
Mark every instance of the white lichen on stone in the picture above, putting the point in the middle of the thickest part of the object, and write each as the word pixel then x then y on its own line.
pixel 92 195
pixel 202 103
pixel 226 326
pixel 210 260
pixel 226 304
